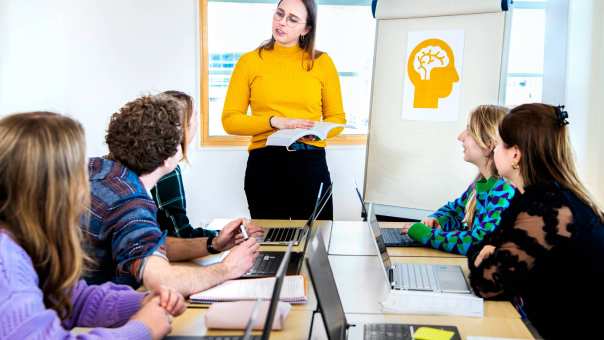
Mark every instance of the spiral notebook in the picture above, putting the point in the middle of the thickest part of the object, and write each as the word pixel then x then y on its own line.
pixel 293 291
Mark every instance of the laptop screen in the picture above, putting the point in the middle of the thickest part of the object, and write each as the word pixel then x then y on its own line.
pixel 268 325
pixel 326 290
pixel 379 241
pixel 363 210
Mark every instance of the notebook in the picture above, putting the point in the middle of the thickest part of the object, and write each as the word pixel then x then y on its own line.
pixel 293 291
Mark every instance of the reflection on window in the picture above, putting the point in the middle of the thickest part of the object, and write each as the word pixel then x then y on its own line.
pixel 237 26
pixel 524 82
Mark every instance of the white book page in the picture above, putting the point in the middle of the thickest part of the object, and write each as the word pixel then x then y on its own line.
pixel 286 137
pixel 251 289
pixel 323 128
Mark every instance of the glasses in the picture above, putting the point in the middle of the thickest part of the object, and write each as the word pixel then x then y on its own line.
pixel 291 20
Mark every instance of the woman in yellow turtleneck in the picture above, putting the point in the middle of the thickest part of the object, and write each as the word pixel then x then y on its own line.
pixel 288 85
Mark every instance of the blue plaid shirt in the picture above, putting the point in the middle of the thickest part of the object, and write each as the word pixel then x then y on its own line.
pixel 123 230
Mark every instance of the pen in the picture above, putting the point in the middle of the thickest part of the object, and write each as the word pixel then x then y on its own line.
pixel 244 231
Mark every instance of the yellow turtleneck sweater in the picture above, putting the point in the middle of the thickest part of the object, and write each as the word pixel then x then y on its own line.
pixel 277 84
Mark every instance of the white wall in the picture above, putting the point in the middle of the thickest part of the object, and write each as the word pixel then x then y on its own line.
pixel 87 58
pixel 585 89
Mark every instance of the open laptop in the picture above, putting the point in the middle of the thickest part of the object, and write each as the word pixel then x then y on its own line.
pixel 267 261
pixel 332 311
pixel 284 235
pixel 392 236
pixel 270 316
pixel 417 277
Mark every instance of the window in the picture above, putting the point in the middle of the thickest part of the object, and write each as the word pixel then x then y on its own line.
pixel 524 80
pixel 224 41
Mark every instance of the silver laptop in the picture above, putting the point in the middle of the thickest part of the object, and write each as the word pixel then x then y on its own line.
pixel 285 235
pixel 417 277
pixel 332 311
pixel 392 236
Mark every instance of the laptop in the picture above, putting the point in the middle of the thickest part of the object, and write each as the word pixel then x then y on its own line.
pixel 284 235
pixel 267 262
pixel 332 311
pixel 270 316
pixel 392 236
pixel 437 278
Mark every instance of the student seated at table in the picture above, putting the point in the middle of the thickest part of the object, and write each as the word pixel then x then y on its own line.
pixel 463 223
pixel 547 252
pixel 44 192
pixel 144 139
pixel 169 192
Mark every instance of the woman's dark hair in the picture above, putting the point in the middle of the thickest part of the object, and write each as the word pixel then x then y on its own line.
pixel 541 134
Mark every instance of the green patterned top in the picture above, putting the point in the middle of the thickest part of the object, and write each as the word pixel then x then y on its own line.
pixel 493 196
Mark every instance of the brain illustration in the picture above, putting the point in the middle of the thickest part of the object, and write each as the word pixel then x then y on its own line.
pixel 428 58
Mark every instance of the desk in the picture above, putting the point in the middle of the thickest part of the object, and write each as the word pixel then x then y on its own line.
pixel 362 284
pixel 354 238
pixel 492 327
pixel 192 322
pixel 324 227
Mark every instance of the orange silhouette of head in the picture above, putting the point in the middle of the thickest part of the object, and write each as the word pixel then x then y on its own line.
pixel 431 69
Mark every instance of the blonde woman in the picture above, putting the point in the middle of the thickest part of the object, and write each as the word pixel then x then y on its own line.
pixel 44 192
pixel 460 224
pixel 547 253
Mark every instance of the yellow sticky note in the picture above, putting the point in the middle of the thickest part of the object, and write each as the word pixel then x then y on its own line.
pixel 429 333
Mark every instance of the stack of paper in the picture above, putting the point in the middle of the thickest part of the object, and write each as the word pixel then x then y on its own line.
pixel 293 290
pixel 414 302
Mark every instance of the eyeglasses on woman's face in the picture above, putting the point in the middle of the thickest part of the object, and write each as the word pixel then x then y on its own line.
pixel 291 20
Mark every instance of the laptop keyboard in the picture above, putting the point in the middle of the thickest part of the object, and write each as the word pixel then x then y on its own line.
pixel 281 235
pixel 230 337
pixel 393 236
pixel 266 264
pixel 413 276
pixel 381 331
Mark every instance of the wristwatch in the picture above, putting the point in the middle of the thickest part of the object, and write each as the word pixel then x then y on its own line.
pixel 210 246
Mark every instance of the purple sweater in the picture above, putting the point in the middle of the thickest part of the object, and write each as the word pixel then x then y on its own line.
pixel 24 316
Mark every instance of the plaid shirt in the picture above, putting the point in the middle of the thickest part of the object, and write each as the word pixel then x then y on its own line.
pixel 169 195
pixel 123 229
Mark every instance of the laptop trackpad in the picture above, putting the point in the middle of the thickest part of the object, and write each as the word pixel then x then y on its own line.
pixel 451 279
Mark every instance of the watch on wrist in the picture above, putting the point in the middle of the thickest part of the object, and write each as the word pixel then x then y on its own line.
pixel 210 246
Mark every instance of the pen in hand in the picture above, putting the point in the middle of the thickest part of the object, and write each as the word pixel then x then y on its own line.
pixel 244 231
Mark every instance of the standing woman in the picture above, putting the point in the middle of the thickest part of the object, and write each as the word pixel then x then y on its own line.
pixel 288 85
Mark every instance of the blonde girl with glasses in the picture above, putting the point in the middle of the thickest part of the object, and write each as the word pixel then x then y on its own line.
pixel 288 85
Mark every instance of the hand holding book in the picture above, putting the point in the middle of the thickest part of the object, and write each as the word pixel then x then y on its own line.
pixel 286 137
pixel 290 123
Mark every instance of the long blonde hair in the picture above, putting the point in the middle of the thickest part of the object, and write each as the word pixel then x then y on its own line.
pixel 540 132
pixel 482 126
pixel 44 193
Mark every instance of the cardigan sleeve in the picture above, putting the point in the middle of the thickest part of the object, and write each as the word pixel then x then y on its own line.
pixel 485 222
pixel 537 224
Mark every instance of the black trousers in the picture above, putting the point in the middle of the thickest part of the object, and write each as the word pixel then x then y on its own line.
pixel 281 184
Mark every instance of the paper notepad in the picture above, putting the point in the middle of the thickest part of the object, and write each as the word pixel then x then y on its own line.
pixel 293 290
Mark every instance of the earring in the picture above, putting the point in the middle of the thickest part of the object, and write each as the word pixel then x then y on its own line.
pixel 515 166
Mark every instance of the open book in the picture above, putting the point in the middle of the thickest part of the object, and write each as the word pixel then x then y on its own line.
pixel 292 291
pixel 286 137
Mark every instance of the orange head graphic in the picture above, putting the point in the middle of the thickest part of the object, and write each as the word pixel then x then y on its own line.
pixel 431 69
